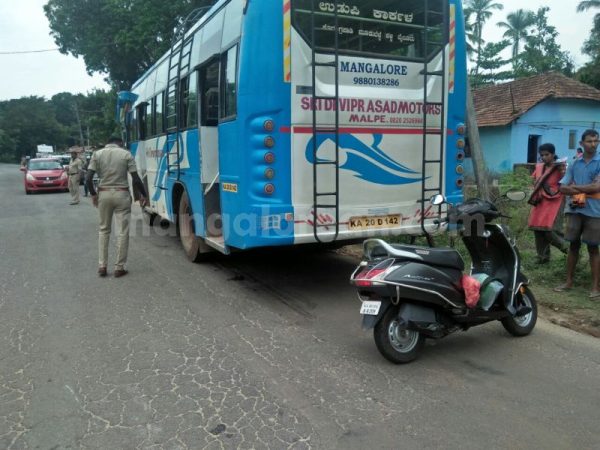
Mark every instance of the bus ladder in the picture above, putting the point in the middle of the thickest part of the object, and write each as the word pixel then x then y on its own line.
pixel 325 201
pixel 179 62
pixel 431 161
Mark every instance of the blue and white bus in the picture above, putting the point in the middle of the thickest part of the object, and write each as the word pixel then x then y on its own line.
pixel 283 122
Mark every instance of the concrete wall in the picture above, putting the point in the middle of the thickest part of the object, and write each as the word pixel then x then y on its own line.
pixel 551 120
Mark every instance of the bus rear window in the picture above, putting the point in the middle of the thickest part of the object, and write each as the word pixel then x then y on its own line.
pixel 381 28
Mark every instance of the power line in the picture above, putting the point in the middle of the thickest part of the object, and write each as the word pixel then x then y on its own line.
pixel 29 51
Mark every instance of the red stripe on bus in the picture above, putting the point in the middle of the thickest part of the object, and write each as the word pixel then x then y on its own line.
pixel 309 130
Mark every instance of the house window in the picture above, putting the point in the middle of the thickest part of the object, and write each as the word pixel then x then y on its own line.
pixel 572 139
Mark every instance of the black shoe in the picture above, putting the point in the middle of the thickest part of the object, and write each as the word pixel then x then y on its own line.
pixel 120 273
pixel 102 271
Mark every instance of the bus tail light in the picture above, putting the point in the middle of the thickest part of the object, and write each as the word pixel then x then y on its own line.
pixel 269 142
pixel 269 173
pixel 269 125
pixel 269 158
pixel 269 188
pixel 461 129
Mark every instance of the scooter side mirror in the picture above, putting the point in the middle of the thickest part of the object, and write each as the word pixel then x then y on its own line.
pixel 437 199
pixel 515 195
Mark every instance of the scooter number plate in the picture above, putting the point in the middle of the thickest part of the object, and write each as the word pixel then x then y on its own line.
pixel 370 308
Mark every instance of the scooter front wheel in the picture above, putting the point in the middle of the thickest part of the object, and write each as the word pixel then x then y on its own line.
pixel 522 325
pixel 395 342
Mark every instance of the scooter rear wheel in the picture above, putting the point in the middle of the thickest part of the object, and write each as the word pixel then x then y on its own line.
pixel 396 343
pixel 522 325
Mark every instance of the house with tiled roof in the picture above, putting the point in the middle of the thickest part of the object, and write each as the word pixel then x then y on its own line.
pixel 515 118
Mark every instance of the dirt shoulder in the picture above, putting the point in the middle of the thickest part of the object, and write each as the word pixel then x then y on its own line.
pixel 570 309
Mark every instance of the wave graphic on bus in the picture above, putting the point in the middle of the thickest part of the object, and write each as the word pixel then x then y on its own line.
pixel 368 163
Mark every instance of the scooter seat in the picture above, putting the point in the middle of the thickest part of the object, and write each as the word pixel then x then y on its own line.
pixel 435 256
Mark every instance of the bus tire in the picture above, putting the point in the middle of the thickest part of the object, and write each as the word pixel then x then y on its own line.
pixel 185 226
pixel 194 247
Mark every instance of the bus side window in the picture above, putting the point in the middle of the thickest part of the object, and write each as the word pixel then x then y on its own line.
pixel 150 129
pixel 210 94
pixel 158 113
pixel 189 100
pixel 142 122
pixel 229 83
pixel 133 126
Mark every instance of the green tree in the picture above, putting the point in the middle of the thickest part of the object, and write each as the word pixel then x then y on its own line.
pixel 492 64
pixel 470 33
pixel 29 121
pixel 517 29
pixel 591 46
pixel 121 38
pixel 481 10
pixel 96 112
pixel 542 53
pixel 98 116
pixel 585 5
pixel 25 123
pixel 590 72
pixel 8 146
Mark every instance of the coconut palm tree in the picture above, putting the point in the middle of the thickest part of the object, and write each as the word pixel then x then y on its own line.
pixel 482 10
pixel 588 4
pixel 517 25
pixel 470 33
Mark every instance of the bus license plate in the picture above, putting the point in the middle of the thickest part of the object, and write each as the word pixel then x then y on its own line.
pixel 374 222
pixel 370 308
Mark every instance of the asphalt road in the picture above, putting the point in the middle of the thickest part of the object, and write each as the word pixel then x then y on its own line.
pixel 257 350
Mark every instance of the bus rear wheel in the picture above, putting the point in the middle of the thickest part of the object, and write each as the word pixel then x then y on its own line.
pixel 185 225
pixel 194 246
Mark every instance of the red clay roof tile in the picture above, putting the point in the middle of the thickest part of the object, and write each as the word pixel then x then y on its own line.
pixel 500 104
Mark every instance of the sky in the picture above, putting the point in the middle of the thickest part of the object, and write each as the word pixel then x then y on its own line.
pixel 573 27
pixel 24 27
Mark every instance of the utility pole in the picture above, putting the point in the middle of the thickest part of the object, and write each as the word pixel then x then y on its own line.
pixel 81 141
pixel 479 169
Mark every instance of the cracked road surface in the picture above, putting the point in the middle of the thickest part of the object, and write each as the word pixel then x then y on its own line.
pixel 258 350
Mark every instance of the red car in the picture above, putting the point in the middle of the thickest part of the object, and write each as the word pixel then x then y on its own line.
pixel 45 175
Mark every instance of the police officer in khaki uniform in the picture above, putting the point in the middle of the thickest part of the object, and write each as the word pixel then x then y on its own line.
pixel 75 167
pixel 112 163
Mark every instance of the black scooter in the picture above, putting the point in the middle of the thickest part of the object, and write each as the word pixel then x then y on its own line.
pixel 410 293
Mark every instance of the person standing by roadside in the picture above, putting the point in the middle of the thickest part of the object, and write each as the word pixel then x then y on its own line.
pixel 582 184
pixel 74 170
pixel 113 163
pixel 546 200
